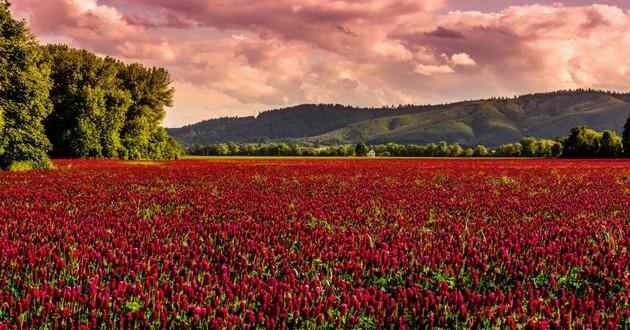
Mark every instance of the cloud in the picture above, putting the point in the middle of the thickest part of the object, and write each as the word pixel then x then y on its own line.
pixel 463 59
pixel 430 70
pixel 533 48
pixel 241 56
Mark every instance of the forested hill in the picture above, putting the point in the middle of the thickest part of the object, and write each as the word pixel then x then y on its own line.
pixel 490 122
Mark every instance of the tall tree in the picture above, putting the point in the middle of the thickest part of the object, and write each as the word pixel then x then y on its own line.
pixel 24 94
pixel 89 104
pixel 105 108
pixel 151 93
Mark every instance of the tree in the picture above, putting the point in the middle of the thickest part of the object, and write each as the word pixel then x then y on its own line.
pixel 583 142
pixel 456 150
pixel 221 150
pixel 105 108
pixel 24 95
pixel 442 149
pixel 626 137
pixel 556 149
pixel 151 93
pixel 89 104
pixel 510 150
pixel 480 151
pixel 611 144
pixel 361 150
pixel 528 147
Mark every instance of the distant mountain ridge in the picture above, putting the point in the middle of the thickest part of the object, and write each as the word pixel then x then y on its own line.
pixel 490 122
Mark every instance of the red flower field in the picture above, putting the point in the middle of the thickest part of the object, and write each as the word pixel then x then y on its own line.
pixel 540 244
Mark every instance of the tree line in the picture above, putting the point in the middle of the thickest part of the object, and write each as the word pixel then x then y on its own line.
pixel 63 102
pixel 536 147
pixel 581 142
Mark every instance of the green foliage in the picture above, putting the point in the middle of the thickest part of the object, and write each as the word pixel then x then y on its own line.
pixel 133 305
pixel 21 166
pixel 163 146
pixel 582 142
pixel 532 147
pixel 456 150
pixel 150 91
pixel 361 150
pixel 587 142
pixel 89 105
pixel 282 149
pixel 27 165
pixel 271 149
pixel 481 151
pixel 611 144
pixel 24 95
pixel 557 149
pixel 529 148
pixel 510 150
pixel 107 109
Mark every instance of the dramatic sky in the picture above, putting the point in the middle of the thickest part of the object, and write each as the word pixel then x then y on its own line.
pixel 240 57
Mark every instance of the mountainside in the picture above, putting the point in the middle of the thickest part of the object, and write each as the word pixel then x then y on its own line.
pixel 490 122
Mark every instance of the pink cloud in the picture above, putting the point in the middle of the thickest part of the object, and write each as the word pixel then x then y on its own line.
pixel 463 59
pixel 430 70
pixel 241 56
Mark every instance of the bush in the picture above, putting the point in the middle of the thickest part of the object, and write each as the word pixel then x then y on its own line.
pixel 28 165
pixel 21 166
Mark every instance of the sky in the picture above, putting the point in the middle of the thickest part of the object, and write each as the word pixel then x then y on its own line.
pixel 242 57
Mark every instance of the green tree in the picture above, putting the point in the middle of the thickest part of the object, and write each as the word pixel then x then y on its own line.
pixel 529 148
pixel 510 150
pixel 105 108
pixel 556 149
pixel 611 144
pixel 583 142
pixel 361 150
pixel 442 149
pixel 24 95
pixel 221 150
pixel 481 151
pixel 456 150
pixel 543 147
pixel 151 93
pixel 89 104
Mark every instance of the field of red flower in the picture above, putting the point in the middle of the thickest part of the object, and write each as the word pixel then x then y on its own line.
pixel 538 244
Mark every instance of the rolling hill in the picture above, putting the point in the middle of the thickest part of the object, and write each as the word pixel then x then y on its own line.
pixel 490 122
